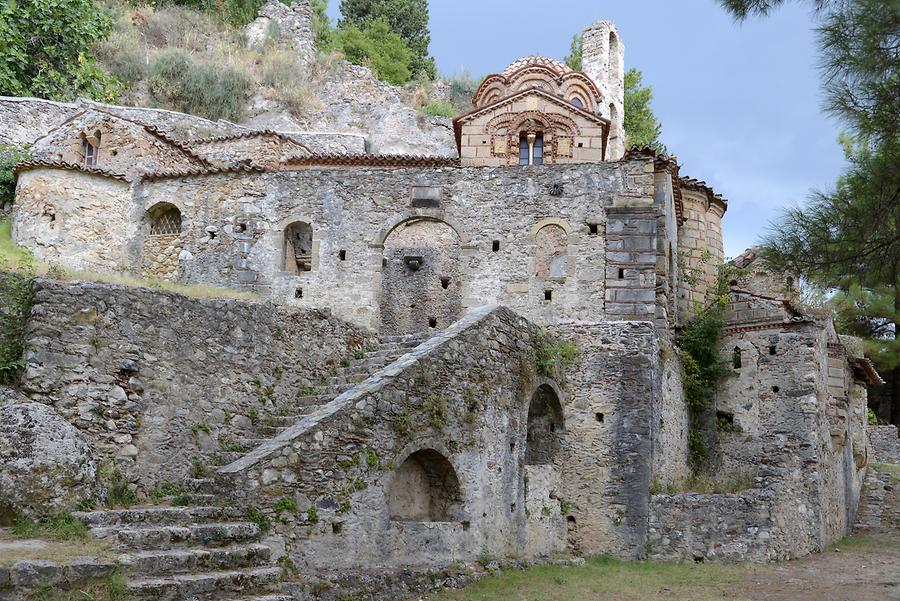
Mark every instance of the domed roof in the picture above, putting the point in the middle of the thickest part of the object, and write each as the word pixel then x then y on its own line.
pixel 540 61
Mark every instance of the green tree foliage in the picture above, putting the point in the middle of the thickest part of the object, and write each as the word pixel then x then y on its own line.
pixel 210 90
pixel 235 12
pixel 849 238
pixel 46 49
pixel 642 128
pixel 576 52
pixel 325 33
pixel 406 18
pixel 378 48
pixel 9 156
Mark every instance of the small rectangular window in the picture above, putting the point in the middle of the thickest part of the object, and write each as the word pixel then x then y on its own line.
pixel 342 255
pixel 593 229
pixel 548 295
pixel 90 154
pixel 621 273
pixel 495 246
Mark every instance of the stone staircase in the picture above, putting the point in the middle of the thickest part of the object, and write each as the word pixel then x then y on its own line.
pixel 358 370
pixel 213 552
pixel 176 553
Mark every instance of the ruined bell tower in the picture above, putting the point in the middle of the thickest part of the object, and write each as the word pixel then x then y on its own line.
pixel 603 60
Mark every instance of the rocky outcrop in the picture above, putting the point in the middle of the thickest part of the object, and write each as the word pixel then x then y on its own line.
pixel 46 465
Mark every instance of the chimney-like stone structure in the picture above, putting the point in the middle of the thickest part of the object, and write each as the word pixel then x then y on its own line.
pixel 603 60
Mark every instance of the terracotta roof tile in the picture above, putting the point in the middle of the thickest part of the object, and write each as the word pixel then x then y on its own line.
pixel 47 164
pixel 540 61
pixel 260 133
pixel 373 160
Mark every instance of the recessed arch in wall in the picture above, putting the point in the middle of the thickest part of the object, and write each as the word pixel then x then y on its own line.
pixel 551 255
pixel 162 243
pixel 425 488
pixel 421 279
pixel 297 247
pixel 545 424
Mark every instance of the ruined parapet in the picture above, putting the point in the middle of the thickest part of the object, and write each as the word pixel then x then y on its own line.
pixel 293 24
pixel 603 60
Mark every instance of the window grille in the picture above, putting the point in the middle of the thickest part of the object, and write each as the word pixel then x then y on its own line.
pixel 166 223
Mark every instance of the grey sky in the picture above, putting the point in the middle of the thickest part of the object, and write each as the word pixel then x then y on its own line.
pixel 740 104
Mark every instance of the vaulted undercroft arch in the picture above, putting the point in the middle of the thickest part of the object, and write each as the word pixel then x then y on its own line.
pixel 545 425
pixel 425 488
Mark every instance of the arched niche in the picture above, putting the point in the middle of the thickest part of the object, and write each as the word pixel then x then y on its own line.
pixel 545 426
pixel 425 488
pixel 551 251
pixel 297 247
pixel 162 241
pixel 421 287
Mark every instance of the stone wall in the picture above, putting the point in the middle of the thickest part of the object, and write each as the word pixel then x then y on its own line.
pixel 669 422
pixel 607 452
pixel 885 444
pixel 153 377
pixel 803 441
pixel 78 220
pixel 458 407
pixel 233 224
pixel 691 526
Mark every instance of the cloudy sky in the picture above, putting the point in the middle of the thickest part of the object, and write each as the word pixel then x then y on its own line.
pixel 740 104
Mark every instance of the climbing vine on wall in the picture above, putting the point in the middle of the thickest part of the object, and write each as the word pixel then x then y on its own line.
pixel 702 366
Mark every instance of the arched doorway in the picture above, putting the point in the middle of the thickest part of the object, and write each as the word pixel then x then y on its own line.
pixel 545 426
pixel 420 284
pixel 424 488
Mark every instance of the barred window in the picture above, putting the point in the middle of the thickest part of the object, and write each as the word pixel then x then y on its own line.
pixel 165 221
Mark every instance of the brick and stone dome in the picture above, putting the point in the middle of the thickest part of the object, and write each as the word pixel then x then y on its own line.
pixel 537 61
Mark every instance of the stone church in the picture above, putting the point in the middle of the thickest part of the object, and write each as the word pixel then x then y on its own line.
pixel 387 405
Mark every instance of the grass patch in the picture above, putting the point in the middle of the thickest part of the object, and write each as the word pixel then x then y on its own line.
pixel 862 542
pixel 888 468
pixel 436 108
pixel 15 548
pixel 113 588
pixel 606 579
pixel 62 527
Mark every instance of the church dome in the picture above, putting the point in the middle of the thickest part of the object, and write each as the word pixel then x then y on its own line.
pixel 537 61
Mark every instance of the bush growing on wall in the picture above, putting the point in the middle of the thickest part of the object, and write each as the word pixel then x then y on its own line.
pixel 208 90
pixel 16 281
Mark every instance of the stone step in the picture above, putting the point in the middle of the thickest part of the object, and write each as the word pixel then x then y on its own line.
pixel 271 431
pixel 205 585
pixel 252 443
pixel 217 534
pixel 200 486
pixel 351 379
pixel 302 402
pixel 157 515
pixel 180 561
pixel 226 457
pixel 266 597
pixel 285 420
pixel 421 337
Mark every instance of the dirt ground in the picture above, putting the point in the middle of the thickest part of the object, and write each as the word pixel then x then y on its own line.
pixel 864 567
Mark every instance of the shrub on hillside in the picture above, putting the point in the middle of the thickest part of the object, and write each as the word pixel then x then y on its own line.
pixel 437 108
pixel 286 80
pixel 209 90
pixel 461 89
pixel 46 48
pixel 124 56
pixel 377 48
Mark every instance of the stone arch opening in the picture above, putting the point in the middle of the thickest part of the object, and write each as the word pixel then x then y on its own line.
pixel 162 241
pixel 613 63
pixel 297 247
pixel 545 426
pixel 551 251
pixel 421 286
pixel 425 488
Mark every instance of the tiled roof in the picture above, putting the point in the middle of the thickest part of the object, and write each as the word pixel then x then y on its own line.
pixel 41 164
pixel 250 133
pixel 373 160
pixel 539 61
pixel 152 129
pixel 204 171
pixel 318 160
pixel 691 183
pixel 865 371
